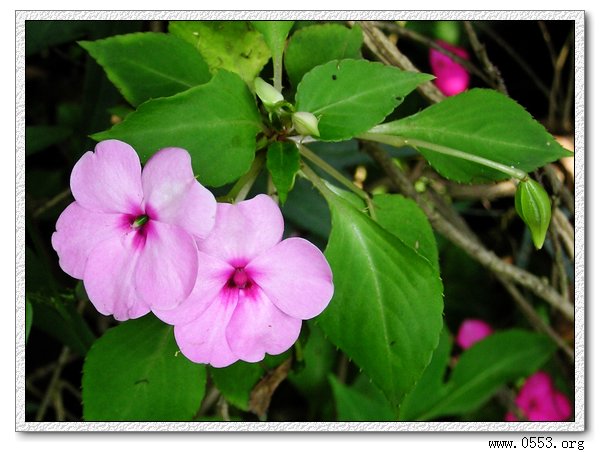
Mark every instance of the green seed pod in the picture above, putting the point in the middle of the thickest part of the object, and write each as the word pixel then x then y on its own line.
pixel 533 206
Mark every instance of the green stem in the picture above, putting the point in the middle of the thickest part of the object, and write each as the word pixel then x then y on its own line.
pixel 315 179
pixel 277 72
pixel 311 156
pixel 401 141
pixel 241 188
pixel 327 192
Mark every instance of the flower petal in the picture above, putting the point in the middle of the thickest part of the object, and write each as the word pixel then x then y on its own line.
pixel 109 179
pixel 173 195
pixel 472 331
pixel 109 277
pixel 451 77
pixel 295 276
pixel 244 230
pixel 203 340
pixel 167 267
pixel 257 327
pixel 78 231
pixel 213 275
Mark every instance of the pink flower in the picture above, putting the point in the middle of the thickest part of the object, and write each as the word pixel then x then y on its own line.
pixel 538 400
pixel 451 77
pixel 130 234
pixel 253 290
pixel 471 331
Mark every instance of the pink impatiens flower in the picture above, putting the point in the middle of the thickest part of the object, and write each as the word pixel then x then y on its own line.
pixel 253 289
pixel 538 400
pixel 131 234
pixel 451 77
pixel 472 331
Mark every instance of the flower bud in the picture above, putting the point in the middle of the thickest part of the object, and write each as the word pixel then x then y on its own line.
pixel 306 123
pixel 533 206
pixel 267 94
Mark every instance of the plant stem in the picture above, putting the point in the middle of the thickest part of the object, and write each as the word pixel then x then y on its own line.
pixel 401 141
pixel 314 158
pixel 277 73
pixel 315 180
pixel 241 188
pixel 311 156
pixel 481 53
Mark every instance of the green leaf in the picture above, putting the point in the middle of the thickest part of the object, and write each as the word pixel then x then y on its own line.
pixel 351 96
pixel 275 33
pixel 149 65
pixel 533 206
pixel 355 406
pixel 135 372
pixel 57 316
pixel 38 138
pixel 318 44
pixel 430 387
pixel 216 122
pixel 283 162
pixel 405 219
pixel 386 312
pixel 480 122
pixel 41 34
pixel 28 318
pixel 482 369
pixel 231 45
pixel 236 381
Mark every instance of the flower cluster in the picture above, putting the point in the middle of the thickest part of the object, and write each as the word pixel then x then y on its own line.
pixel 539 400
pixel 157 240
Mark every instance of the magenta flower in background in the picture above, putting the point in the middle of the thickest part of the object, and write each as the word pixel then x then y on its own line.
pixel 538 400
pixel 253 289
pixel 451 77
pixel 130 234
pixel 471 331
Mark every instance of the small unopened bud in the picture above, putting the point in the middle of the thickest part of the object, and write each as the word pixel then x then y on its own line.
pixel 267 94
pixel 306 123
pixel 533 206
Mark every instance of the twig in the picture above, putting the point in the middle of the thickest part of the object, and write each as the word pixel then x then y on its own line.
pixel 548 40
pixel 223 408
pixel 51 203
pixel 53 386
pixel 515 56
pixel 482 255
pixel 559 275
pixel 418 37
pixel 211 398
pixel 505 189
pixel 535 320
pixel 45 370
pixel 388 53
pixel 565 232
pixel 558 187
pixel 482 55
pixel 567 119
pixel 559 63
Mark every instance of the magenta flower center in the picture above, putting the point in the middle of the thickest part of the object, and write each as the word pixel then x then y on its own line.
pixel 239 278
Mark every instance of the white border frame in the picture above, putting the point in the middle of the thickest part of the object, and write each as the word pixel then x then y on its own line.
pixel 579 422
